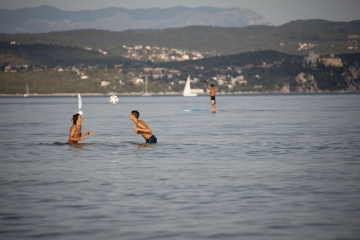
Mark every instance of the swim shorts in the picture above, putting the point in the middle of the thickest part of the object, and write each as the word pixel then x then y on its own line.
pixel 212 100
pixel 151 139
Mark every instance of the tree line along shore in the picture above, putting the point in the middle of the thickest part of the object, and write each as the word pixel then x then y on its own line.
pixel 261 72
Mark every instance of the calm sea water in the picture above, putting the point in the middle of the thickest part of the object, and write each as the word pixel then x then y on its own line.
pixel 262 167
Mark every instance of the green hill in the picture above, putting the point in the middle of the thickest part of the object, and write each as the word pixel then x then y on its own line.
pixel 269 69
pixel 55 55
pixel 326 37
pixel 225 51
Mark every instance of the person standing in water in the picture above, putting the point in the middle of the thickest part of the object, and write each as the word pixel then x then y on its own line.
pixel 212 98
pixel 142 128
pixel 75 134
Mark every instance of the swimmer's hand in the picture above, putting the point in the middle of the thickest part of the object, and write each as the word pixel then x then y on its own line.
pixel 136 129
pixel 91 132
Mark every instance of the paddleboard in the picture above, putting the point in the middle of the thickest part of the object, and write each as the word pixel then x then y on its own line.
pixel 193 110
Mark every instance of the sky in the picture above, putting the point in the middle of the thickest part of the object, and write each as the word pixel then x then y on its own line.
pixel 276 11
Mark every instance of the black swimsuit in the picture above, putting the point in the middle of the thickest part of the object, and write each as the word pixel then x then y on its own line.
pixel 151 139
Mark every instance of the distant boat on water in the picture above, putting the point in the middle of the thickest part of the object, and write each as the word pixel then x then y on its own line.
pixel 27 91
pixel 187 90
pixel 146 93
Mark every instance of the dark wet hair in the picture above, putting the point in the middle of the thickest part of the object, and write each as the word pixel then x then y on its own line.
pixel 135 113
pixel 212 85
pixel 75 118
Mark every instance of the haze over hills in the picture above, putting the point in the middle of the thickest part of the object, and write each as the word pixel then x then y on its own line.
pixel 47 19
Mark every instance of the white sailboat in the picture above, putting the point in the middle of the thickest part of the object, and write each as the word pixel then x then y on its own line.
pixel 27 91
pixel 146 93
pixel 187 90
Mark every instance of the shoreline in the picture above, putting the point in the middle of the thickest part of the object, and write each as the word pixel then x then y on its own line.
pixel 163 94
pixel 83 94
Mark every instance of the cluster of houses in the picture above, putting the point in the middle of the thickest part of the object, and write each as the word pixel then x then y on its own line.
pixel 221 79
pixel 312 59
pixel 99 50
pixel 81 73
pixel 138 77
pixel 165 54
pixel 306 46
pixel 302 46
pixel 13 68
pixel 157 73
pixel 153 53
pixel 352 44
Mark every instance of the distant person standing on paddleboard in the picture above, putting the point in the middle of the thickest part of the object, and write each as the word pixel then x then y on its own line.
pixel 212 98
pixel 75 134
pixel 142 128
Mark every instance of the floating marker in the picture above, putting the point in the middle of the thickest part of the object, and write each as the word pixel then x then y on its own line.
pixel 80 104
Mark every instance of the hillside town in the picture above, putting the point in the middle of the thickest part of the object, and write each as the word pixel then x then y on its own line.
pixel 155 54
pixel 136 76
pixel 155 64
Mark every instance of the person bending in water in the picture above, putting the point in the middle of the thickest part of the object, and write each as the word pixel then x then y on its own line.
pixel 142 128
pixel 75 134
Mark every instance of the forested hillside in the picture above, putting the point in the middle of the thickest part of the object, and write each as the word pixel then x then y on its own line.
pixel 248 59
pixel 261 71
pixel 321 36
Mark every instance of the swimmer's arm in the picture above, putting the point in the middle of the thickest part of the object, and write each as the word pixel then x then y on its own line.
pixel 71 135
pixel 87 133
pixel 142 128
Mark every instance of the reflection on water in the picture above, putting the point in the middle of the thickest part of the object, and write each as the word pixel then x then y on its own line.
pixel 143 145
pixel 262 167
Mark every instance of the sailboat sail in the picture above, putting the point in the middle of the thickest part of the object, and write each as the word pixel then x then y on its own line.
pixel 187 90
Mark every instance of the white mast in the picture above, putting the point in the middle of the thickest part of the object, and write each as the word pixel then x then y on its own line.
pixel 80 104
pixel 146 94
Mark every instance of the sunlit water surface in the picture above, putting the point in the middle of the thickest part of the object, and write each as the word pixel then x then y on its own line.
pixel 262 167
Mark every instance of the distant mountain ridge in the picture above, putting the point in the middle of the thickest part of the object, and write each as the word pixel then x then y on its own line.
pixel 48 19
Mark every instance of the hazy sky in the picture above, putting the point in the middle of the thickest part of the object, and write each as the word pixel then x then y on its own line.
pixel 276 11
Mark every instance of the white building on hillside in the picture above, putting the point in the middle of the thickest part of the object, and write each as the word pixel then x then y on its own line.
pixel 311 59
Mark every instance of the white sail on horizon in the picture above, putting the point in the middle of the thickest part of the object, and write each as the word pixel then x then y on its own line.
pixel 187 90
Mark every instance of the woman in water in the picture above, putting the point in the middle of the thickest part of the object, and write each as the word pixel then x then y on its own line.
pixel 75 134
